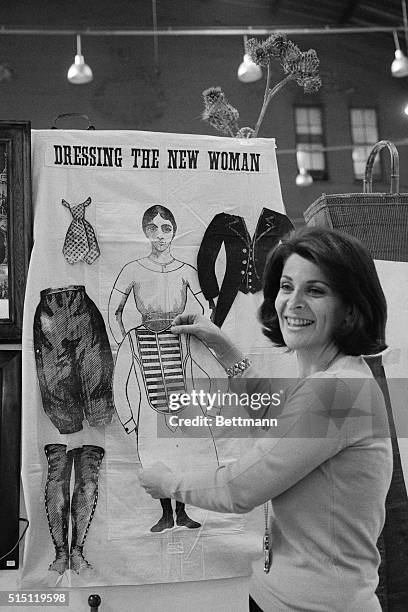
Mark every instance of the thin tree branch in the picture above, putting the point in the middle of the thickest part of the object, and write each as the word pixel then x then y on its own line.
pixel 270 94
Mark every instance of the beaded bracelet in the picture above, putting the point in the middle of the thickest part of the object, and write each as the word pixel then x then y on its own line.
pixel 238 368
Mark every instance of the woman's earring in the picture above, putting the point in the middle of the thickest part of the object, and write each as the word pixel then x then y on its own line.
pixel 347 320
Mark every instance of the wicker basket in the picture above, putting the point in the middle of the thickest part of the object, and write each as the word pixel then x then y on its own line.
pixel 379 220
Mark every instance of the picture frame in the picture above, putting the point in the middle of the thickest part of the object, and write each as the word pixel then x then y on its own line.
pixel 10 428
pixel 15 225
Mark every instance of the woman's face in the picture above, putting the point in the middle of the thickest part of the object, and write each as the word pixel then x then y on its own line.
pixel 308 309
pixel 160 232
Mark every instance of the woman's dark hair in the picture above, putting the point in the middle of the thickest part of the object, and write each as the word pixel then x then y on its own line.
pixel 351 273
pixel 164 212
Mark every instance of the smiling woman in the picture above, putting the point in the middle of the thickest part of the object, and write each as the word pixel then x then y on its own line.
pixel 309 312
pixel 328 469
pixel 323 298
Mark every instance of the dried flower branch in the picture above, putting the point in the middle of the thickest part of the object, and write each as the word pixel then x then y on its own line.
pixel 219 113
pixel 299 66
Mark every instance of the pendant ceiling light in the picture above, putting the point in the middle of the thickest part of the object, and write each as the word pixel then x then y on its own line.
pixel 248 71
pixel 399 67
pixel 303 179
pixel 79 73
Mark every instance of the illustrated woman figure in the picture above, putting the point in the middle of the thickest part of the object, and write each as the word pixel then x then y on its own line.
pixel 152 363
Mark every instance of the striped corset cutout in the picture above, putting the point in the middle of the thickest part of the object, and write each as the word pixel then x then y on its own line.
pixel 160 357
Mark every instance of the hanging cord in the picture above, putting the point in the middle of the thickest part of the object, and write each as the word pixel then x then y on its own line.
pixel 155 39
pixel 396 41
pixel 405 20
pixel 19 539
pixel 245 43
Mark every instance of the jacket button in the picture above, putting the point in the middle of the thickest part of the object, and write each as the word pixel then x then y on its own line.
pixel 242 271
pixel 244 261
pixel 244 250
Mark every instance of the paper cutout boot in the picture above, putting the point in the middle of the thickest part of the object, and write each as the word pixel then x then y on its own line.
pixel 182 518
pixel 167 521
pixel 57 502
pixel 87 462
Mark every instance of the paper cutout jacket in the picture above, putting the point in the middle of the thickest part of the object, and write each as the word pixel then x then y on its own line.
pixel 245 256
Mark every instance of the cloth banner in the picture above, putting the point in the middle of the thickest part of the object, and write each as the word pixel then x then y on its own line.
pixel 394 281
pixel 130 230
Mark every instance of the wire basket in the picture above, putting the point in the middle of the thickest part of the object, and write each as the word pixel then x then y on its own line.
pixel 379 220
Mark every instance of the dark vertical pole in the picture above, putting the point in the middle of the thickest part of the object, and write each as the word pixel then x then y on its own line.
pixel 94 602
pixel 393 543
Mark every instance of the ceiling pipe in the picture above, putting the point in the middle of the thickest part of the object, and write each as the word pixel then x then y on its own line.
pixel 236 31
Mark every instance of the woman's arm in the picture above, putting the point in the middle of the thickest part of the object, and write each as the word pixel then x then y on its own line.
pixel 117 303
pixel 126 389
pixel 227 354
pixel 117 300
pixel 201 327
pixel 306 437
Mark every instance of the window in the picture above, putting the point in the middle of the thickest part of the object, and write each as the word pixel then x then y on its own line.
pixel 364 134
pixel 310 140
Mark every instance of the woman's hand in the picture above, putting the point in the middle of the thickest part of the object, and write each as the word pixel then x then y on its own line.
pixel 197 325
pixel 206 331
pixel 156 480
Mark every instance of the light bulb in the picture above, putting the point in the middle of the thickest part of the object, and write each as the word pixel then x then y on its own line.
pixel 399 67
pixel 248 71
pixel 303 179
pixel 79 73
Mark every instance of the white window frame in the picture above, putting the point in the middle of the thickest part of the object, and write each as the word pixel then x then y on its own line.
pixel 364 135
pixel 310 140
